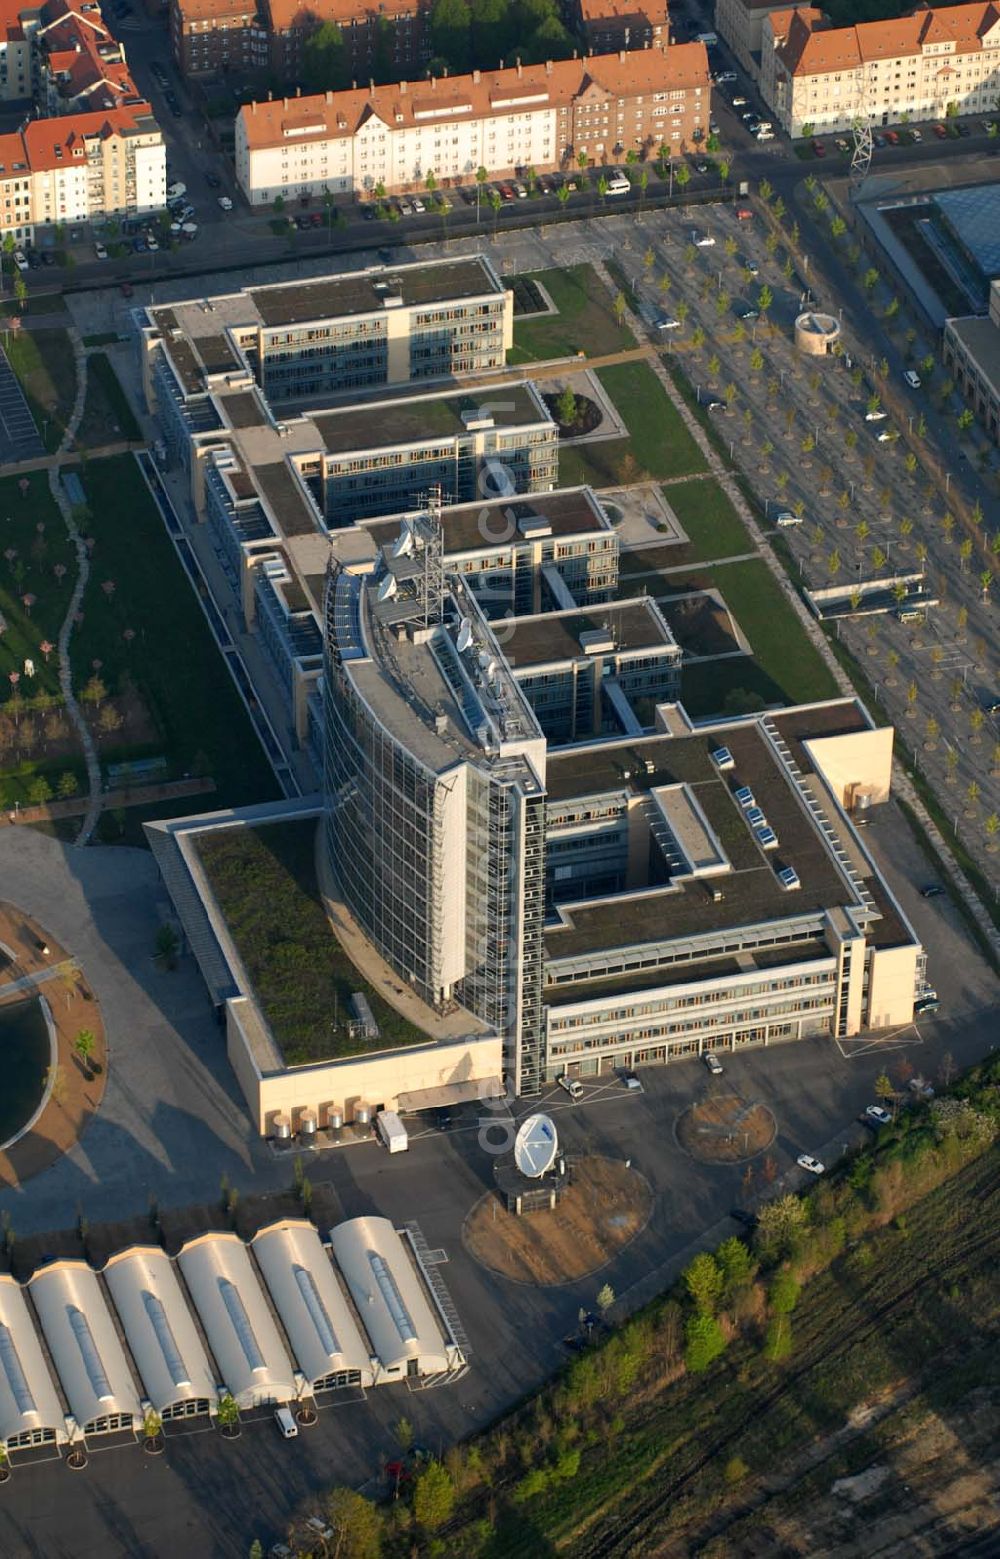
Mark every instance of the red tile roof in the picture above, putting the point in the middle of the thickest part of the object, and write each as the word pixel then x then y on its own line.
pixel 516 90
pixel 812 47
pixel 50 143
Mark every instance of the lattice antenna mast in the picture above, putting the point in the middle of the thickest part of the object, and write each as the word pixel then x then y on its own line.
pixel 861 127
pixel 432 535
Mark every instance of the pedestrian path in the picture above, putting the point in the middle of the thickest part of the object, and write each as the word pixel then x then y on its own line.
pixel 61 499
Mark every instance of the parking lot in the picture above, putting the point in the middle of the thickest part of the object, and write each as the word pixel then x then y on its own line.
pixel 822 450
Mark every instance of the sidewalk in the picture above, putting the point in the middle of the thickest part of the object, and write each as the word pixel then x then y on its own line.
pixel 124 796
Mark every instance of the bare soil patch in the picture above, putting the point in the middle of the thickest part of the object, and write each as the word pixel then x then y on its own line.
pixel 604 1209
pixel 725 1129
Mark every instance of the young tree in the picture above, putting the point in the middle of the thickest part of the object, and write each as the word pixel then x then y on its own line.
pixel 566 408
pixel 433 1497
pixel 704 1282
pixel 356 1524
pixel 705 1340
pixel 85 1045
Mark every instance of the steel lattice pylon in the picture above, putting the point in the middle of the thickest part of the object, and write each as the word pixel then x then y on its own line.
pixel 861 157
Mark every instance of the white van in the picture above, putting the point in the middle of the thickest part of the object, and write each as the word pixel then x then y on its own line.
pixel 709 39
pixel 618 184
pixel 287 1427
pixel 764 135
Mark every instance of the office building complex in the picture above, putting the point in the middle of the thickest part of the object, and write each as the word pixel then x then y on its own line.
pixel 524 835
pixel 607 885
pixel 971 352
pixel 929 65
pixel 541 116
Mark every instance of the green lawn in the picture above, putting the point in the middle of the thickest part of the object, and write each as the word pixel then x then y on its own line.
pixel 43 362
pixel 171 657
pixel 107 415
pixel 779 643
pixel 584 322
pixel 265 882
pixel 713 527
pixel 660 442
pixel 658 445
pixel 723 687
pixel 34 552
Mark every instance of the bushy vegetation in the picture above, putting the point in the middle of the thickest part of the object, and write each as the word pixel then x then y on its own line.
pixel 264 880
pixel 692 1394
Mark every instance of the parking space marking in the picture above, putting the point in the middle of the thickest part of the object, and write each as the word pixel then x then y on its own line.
pixel 866 1044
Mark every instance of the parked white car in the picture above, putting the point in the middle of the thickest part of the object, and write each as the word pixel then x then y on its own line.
pixel 813 1165
pixel 225 203
pixel 912 379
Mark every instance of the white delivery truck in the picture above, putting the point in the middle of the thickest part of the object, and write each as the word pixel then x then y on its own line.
pixel 391 1131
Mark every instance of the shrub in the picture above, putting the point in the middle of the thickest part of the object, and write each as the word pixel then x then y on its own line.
pixel 783 1295
pixel 705 1341
pixel 531 1485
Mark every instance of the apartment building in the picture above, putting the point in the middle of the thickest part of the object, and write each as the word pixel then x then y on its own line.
pixel 62 56
pixel 396 31
pixel 542 116
pixel 971 352
pixel 79 168
pixel 95 165
pixel 928 65
pixel 16 55
pixel 216 37
pixel 740 23
pixel 612 25
pixel 248 38
pixel 15 190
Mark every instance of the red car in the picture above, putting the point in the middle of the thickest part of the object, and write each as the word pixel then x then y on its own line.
pixel 892 137
pixel 744 214
pixel 506 193
pixel 941 131
pixel 819 150
pixel 316 218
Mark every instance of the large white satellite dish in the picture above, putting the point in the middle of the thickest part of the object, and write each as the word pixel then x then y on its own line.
pixel 535 1146
pixel 464 635
pixel 387 589
pixel 403 545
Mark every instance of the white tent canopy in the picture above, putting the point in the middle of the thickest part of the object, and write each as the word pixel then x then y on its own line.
pixel 313 1308
pixel 406 1335
pixel 89 1359
pixel 160 1331
pixel 238 1323
pixel 30 1410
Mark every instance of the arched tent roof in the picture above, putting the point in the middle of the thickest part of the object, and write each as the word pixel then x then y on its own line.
pixel 389 1297
pixel 238 1323
pixel 307 1295
pixel 89 1359
pixel 160 1329
pixel 28 1398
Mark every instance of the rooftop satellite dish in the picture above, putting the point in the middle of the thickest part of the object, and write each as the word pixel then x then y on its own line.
pixel 464 635
pixel 535 1146
pixel 387 589
pixel 403 545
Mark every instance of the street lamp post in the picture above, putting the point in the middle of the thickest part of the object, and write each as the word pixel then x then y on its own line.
pixel 947 482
